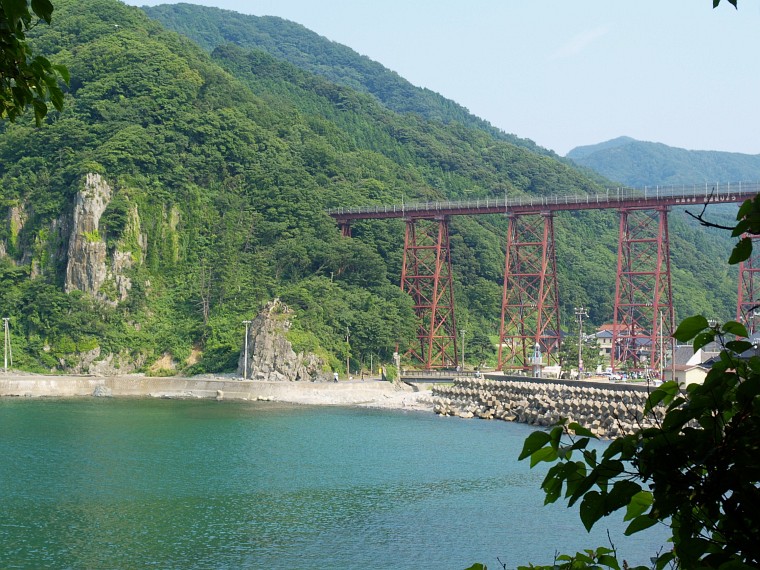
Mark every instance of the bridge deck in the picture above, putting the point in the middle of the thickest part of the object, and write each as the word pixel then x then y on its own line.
pixel 642 198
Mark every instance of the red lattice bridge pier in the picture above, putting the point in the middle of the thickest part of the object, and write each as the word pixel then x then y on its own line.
pixel 530 318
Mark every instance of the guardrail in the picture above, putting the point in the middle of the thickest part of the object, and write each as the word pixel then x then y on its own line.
pixel 730 192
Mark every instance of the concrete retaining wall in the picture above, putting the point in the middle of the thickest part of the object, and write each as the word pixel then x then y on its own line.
pixel 302 392
pixel 606 411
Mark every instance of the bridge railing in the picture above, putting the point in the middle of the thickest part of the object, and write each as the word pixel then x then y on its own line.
pixel 713 192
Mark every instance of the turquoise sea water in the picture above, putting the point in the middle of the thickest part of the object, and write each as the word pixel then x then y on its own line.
pixel 101 483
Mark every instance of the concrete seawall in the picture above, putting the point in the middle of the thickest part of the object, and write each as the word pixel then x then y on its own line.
pixel 607 411
pixel 368 394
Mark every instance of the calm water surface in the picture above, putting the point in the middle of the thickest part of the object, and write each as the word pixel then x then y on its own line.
pixel 103 483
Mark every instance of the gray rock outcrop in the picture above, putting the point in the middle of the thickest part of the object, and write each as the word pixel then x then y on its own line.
pixel 86 265
pixel 271 355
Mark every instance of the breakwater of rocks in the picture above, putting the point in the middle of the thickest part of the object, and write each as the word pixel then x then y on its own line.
pixel 608 411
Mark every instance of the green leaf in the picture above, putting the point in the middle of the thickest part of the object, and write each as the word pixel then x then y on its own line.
pixel 621 495
pixel 552 484
pixel 664 394
pixel 16 12
pixel 741 252
pixel 749 389
pixel 477 566
pixel 575 477
pixel 739 346
pixel 690 327
pixel 735 328
pixel 592 509
pixel 543 454
pixel 533 443
pixel 639 503
pixel 578 429
pixel 609 561
pixel 43 8
pixel 556 436
pixel 63 71
pixel 40 110
pixel 703 339
pixel 654 398
pixel 640 523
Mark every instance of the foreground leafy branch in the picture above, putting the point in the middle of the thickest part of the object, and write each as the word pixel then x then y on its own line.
pixel 695 470
pixel 26 79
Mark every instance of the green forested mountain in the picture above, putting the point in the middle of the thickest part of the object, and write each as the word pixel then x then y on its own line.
pixel 220 168
pixel 289 41
pixel 638 163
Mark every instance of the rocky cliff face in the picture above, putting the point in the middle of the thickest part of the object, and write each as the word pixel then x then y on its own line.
pixel 271 355
pixel 86 265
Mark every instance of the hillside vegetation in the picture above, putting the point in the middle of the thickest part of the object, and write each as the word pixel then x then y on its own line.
pixel 288 41
pixel 222 166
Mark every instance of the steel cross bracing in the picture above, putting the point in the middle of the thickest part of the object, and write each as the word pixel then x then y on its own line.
pixel 426 276
pixel 530 303
pixel 643 315
pixel 748 302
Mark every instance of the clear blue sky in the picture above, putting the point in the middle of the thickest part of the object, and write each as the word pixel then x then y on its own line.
pixel 563 73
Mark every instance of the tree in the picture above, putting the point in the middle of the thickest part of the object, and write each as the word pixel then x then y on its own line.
pixel 708 488
pixel 26 80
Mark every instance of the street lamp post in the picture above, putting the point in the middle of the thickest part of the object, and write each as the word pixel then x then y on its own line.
pixel 245 352
pixel 463 366
pixel 580 312
pixel 348 354
pixel 7 346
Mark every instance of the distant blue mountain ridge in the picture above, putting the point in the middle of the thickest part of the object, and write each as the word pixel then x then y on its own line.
pixel 639 163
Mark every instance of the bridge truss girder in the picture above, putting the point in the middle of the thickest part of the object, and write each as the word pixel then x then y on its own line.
pixel 530 301
pixel 748 301
pixel 643 316
pixel 426 276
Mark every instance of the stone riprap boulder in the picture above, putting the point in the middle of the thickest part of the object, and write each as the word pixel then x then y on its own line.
pixel 606 412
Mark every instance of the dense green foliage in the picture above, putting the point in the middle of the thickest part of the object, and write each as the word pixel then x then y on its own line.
pixel 222 168
pixel 291 42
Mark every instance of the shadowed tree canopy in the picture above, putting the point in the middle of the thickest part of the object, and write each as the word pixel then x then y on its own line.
pixel 26 79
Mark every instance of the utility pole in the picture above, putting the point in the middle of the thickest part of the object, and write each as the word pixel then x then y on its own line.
pixel 662 355
pixel 463 365
pixel 348 354
pixel 7 346
pixel 580 312
pixel 245 357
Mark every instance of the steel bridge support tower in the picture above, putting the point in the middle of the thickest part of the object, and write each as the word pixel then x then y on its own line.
pixel 748 302
pixel 643 316
pixel 530 300
pixel 426 276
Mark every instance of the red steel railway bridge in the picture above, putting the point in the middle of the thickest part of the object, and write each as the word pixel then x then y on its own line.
pixel 530 317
